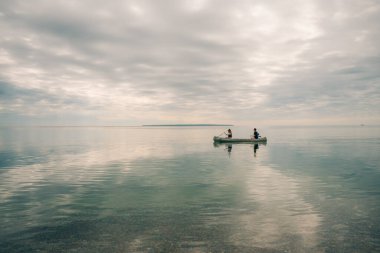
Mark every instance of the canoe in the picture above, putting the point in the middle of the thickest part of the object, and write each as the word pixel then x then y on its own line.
pixel 234 140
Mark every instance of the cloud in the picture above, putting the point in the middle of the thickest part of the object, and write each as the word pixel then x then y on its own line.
pixel 141 62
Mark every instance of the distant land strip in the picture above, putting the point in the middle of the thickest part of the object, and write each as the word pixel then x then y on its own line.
pixel 185 125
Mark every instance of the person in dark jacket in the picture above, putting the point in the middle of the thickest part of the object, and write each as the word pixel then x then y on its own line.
pixel 255 134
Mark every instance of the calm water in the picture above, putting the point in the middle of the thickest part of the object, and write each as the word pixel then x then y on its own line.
pixel 173 190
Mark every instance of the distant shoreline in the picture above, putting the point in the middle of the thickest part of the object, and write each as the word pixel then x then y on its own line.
pixel 185 125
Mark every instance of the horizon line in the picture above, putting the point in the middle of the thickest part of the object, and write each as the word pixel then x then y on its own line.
pixel 184 125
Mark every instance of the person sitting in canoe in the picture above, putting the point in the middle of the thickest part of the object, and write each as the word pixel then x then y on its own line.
pixel 255 134
pixel 229 134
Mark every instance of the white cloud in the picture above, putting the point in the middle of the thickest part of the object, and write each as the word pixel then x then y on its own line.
pixel 141 62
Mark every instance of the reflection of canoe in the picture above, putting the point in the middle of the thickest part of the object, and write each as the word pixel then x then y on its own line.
pixel 233 140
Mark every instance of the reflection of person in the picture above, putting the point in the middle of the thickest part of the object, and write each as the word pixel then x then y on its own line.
pixel 229 133
pixel 229 149
pixel 255 147
pixel 255 134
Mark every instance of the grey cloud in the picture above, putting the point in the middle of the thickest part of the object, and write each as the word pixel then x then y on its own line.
pixel 321 91
pixel 242 59
pixel 29 98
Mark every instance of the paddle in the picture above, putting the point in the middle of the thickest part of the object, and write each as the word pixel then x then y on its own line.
pixel 224 132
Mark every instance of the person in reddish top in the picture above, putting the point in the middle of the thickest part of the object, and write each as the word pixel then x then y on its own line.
pixel 229 134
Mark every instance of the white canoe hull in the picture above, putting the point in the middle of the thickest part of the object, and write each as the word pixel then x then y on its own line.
pixel 234 140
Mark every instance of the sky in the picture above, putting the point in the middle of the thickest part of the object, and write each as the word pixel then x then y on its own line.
pixel 241 62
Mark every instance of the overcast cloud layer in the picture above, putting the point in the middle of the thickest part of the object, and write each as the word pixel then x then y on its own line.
pixel 201 61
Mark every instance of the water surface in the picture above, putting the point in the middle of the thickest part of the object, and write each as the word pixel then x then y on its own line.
pixel 170 189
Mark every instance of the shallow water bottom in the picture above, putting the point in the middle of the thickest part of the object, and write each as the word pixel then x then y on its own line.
pixel 173 190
